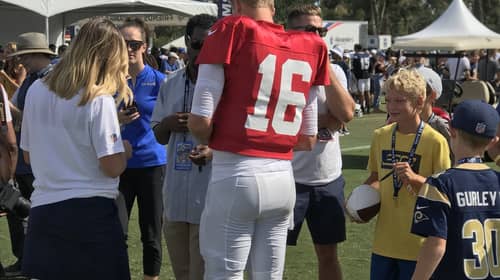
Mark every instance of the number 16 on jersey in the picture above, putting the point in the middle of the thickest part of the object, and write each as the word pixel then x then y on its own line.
pixel 286 97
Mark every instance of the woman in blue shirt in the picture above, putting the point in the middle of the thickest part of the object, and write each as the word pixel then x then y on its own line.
pixel 144 174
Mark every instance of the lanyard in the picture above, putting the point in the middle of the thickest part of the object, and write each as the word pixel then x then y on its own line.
pixel 186 105
pixel 3 113
pixel 431 117
pixel 470 160
pixel 396 183
pixel 187 100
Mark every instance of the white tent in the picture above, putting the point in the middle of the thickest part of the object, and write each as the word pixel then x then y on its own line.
pixel 179 42
pixel 456 29
pixel 51 16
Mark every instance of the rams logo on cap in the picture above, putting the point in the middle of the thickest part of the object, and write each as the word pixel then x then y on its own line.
pixel 480 128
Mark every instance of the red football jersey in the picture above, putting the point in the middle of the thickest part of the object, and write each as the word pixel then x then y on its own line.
pixel 268 74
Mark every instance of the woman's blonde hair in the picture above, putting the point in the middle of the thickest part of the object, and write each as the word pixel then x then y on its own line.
pixel 408 83
pixel 96 63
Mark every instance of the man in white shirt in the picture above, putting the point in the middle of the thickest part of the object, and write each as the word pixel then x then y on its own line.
pixel 457 72
pixel 319 183
pixel 188 172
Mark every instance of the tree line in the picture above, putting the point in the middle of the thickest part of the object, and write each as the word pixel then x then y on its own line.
pixel 395 17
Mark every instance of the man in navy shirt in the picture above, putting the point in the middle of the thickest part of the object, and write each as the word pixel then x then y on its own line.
pixel 361 68
pixel 170 65
pixel 35 55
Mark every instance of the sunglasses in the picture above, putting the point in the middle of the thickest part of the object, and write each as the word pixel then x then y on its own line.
pixel 195 45
pixel 321 31
pixel 134 45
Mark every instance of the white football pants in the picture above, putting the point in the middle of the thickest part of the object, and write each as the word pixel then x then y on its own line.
pixel 247 218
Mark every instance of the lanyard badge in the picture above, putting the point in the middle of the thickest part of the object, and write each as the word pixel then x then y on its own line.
pixel 395 181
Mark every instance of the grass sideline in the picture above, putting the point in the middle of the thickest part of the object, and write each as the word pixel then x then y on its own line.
pixel 300 260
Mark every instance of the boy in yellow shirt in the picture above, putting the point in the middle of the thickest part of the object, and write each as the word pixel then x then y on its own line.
pixel 411 151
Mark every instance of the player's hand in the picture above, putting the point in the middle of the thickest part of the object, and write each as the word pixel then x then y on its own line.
pixel 124 117
pixel 201 154
pixel 128 149
pixel 176 122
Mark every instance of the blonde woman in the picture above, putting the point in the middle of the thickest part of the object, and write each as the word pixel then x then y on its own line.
pixel 71 137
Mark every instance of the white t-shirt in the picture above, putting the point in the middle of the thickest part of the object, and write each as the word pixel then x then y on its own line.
pixel 324 163
pixel 464 65
pixel 6 104
pixel 65 142
pixel 184 189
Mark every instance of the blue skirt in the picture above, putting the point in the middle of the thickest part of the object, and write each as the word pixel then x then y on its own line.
pixel 76 239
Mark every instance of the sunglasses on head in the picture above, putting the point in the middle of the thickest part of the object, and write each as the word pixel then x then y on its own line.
pixel 321 31
pixel 195 45
pixel 134 45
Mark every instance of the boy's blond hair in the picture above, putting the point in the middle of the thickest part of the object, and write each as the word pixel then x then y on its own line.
pixel 408 83
pixel 259 3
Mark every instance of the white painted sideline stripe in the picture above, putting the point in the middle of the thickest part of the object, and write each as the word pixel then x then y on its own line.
pixel 355 148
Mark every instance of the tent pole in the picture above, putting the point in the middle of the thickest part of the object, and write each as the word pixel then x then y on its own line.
pixel 47 29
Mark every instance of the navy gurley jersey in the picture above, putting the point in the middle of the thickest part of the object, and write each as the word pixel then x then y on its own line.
pixel 462 205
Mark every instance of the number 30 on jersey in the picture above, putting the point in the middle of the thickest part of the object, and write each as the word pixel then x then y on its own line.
pixel 258 120
pixel 485 248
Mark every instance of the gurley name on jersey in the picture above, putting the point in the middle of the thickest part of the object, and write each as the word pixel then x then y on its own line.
pixel 476 198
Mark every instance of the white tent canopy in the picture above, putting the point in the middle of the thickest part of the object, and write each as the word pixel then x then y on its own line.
pixel 456 29
pixel 51 16
pixel 49 8
pixel 179 42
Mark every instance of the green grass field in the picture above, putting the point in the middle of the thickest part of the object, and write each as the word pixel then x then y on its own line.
pixel 300 260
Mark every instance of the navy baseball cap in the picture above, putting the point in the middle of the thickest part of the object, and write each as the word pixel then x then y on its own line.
pixel 476 117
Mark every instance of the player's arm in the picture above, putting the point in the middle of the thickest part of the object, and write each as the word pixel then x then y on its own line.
pixel 305 143
pixel 329 121
pixel 429 257
pixel 339 101
pixel 309 126
pixel 207 94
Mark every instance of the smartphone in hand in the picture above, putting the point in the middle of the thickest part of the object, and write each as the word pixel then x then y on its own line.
pixel 130 109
